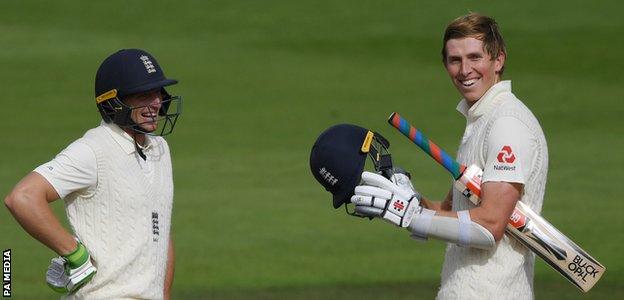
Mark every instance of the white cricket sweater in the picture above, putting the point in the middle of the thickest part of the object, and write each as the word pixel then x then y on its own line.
pixel 505 272
pixel 125 221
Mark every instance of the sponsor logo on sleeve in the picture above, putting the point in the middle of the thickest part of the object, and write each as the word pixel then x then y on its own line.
pixel 505 158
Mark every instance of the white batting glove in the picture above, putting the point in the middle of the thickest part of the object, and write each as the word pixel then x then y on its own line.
pixel 378 196
pixel 403 181
pixel 68 273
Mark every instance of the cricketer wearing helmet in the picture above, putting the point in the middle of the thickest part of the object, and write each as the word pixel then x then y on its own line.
pixel 116 182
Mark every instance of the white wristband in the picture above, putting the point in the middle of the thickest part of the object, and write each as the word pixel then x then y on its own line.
pixel 421 224
pixel 464 227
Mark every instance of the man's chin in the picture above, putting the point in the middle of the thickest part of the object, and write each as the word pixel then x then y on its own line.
pixel 471 96
pixel 148 128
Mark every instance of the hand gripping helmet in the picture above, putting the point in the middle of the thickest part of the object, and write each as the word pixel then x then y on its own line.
pixel 338 157
pixel 131 71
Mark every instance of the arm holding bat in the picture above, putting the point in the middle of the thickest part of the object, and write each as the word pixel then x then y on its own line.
pixel 444 205
pixel 504 185
pixel 498 203
pixel 397 202
pixel 524 225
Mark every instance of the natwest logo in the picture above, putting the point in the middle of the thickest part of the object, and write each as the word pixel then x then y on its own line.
pixel 506 155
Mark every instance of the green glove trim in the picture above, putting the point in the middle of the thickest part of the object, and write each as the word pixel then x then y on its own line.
pixel 78 257
pixel 58 289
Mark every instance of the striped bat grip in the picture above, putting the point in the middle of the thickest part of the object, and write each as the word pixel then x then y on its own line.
pixel 426 145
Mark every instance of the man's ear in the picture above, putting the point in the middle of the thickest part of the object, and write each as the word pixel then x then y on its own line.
pixel 499 62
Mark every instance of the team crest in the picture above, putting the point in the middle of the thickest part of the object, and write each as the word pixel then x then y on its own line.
pixel 149 66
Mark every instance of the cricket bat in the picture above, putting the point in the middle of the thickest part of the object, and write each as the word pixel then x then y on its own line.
pixel 524 224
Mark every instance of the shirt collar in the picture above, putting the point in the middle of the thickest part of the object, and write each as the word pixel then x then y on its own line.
pixel 486 103
pixel 125 141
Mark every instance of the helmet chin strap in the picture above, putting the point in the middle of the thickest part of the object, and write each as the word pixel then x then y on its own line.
pixel 137 147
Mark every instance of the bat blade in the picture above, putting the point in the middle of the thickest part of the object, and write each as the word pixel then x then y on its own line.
pixel 556 249
pixel 526 226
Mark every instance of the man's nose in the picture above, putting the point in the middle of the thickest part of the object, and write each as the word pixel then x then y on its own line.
pixel 465 68
pixel 156 101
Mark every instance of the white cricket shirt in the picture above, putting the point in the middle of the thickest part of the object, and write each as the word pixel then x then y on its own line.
pixel 75 168
pixel 504 139
pixel 119 206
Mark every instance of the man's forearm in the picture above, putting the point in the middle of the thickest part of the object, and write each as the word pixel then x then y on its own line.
pixel 444 205
pixel 170 269
pixel 436 205
pixel 497 204
pixel 32 212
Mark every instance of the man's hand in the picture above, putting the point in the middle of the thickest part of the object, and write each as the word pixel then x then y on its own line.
pixel 68 273
pixel 378 196
pixel 402 178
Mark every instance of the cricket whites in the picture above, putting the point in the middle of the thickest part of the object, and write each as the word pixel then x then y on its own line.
pixel 524 224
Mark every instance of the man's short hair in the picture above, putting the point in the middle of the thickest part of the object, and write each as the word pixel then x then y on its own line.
pixel 476 26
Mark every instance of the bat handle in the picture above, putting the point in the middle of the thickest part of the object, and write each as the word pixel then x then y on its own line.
pixel 426 145
pixel 469 183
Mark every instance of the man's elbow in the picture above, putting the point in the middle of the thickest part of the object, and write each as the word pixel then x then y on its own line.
pixel 497 230
pixel 10 201
pixel 17 198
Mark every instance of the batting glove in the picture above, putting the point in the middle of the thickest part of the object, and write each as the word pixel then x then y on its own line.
pixel 68 273
pixel 401 178
pixel 378 196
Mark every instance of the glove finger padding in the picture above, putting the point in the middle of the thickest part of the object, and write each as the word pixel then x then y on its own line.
pixel 369 201
pixel 377 180
pixel 373 191
pixel 368 211
pixel 402 203
pixel 56 277
pixel 371 196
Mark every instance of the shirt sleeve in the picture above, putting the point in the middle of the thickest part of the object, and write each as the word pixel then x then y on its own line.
pixel 510 150
pixel 74 169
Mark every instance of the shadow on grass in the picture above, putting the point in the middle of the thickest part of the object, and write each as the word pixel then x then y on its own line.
pixel 405 290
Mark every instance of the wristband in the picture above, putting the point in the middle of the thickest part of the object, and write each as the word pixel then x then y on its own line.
pixel 464 227
pixel 421 224
pixel 78 257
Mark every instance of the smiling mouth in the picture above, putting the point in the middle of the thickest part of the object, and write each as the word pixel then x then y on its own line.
pixel 149 116
pixel 468 82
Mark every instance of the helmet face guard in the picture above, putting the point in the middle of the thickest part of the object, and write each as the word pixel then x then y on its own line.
pixel 128 72
pixel 380 155
pixel 114 110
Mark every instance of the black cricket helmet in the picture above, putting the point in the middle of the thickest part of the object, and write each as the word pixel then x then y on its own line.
pixel 338 157
pixel 128 72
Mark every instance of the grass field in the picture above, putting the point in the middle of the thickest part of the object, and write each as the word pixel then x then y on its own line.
pixel 261 80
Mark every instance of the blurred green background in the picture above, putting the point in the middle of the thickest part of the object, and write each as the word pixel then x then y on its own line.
pixel 261 80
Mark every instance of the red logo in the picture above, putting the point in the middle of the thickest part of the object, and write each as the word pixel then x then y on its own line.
pixel 506 155
pixel 398 205
pixel 517 219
